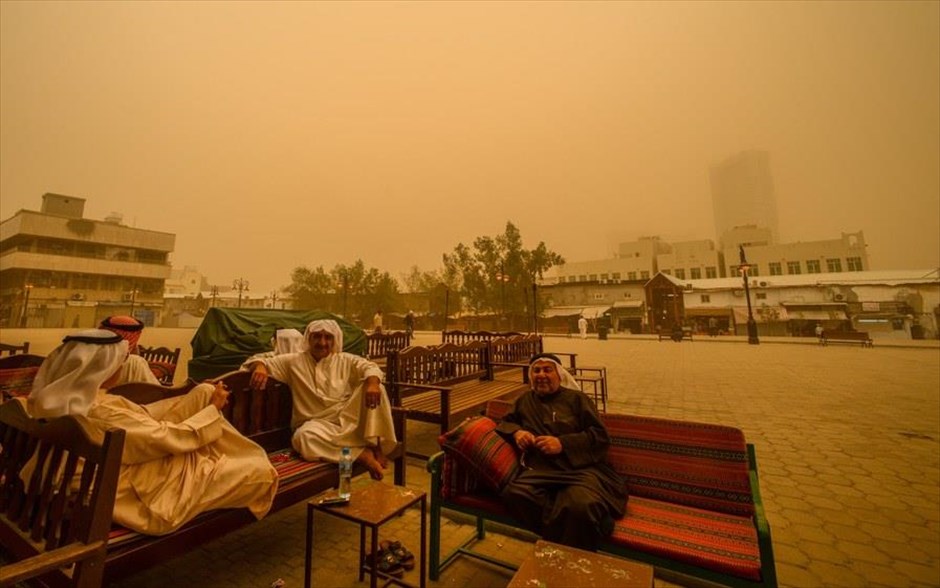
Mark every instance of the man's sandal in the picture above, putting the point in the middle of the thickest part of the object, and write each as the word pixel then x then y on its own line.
pixel 401 553
pixel 385 562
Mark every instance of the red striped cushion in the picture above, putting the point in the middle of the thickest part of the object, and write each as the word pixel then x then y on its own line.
pixel 682 462
pixel 721 542
pixel 16 382
pixel 477 446
pixel 289 464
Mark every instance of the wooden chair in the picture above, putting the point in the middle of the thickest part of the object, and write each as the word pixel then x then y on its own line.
pixel 17 373
pixel 55 525
pixel 162 362
pixel 12 349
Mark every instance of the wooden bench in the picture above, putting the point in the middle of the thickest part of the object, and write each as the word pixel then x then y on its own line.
pixel 381 343
pixel 694 507
pixel 162 362
pixel 459 337
pixel 17 373
pixel 263 417
pixel 48 523
pixel 846 337
pixel 13 349
pixel 686 334
pixel 445 383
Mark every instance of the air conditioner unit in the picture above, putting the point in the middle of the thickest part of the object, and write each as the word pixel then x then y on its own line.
pixel 763 284
pixel 738 293
pixel 78 296
pixel 838 297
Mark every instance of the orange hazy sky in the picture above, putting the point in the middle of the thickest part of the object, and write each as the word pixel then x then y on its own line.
pixel 272 135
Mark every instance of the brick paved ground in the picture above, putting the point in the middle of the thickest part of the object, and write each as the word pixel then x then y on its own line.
pixel 848 446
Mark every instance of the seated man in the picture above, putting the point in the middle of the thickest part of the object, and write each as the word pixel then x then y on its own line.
pixel 567 491
pixel 339 400
pixel 135 367
pixel 181 457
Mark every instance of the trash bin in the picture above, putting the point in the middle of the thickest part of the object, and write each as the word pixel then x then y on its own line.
pixel 602 333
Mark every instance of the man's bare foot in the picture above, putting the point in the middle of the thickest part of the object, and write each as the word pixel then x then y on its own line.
pixel 379 456
pixel 367 458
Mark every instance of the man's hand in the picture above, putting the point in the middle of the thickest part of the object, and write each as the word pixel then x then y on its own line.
pixel 548 445
pixel 524 439
pixel 259 377
pixel 373 392
pixel 219 396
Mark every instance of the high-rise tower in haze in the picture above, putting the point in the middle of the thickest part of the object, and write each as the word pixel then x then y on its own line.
pixel 743 193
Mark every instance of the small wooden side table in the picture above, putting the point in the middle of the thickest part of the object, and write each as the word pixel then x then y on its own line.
pixel 552 565
pixel 372 506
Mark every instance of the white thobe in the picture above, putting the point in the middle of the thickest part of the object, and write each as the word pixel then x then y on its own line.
pixel 329 404
pixel 136 369
pixel 181 457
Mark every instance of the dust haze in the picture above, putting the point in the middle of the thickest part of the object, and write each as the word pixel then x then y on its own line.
pixel 272 135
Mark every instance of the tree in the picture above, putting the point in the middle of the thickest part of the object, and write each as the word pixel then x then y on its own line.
pixel 350 290
pixel 496 274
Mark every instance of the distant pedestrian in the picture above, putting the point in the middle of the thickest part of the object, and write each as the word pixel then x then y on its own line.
pixel 582 326
pixel 410 323
pixel 819 332
pixel 377 321
pixel 712 327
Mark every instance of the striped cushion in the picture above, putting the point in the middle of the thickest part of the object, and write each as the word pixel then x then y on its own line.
pixel 720 542
pixel 478 447
pixel 290 465
pixel 16 382
pixel 682 462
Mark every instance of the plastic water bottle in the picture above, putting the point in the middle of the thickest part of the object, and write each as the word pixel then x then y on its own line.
pixel 345 473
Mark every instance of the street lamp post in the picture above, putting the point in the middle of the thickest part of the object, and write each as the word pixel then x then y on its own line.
pixel 502 278
pixel 134 292
pixel 242 286
pixel 751 323
pixel 214 293
pixel 273 298
pixel 27 288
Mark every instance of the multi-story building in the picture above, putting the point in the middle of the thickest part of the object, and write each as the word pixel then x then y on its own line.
pixel 846 254
pixel 743 193
pixel 59 269
pixel 692 260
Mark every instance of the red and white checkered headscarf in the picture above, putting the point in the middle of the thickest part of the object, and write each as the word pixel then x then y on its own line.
pixel 127 327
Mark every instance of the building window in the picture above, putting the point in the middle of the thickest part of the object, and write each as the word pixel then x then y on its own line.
pixel 812 266
pixel 711 272
pixel 582 278
pixel 854 263
pixel 593 277
pixel 753 271
pixel 605 276
pixel 599 296
pixel 616 275
pixel 667 272
pixel 561 280
pixel 793 267
pixel 761 295
pixel 696 273
pixel 680 273
pixel 631 275
pixel 776 269
pixel 644 275
pixel 834 265
pixel 706 298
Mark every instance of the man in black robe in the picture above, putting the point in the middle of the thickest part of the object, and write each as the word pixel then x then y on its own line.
pixel 567 491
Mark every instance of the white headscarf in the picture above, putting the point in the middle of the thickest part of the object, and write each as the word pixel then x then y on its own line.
pixel 331 327
pixel 567 380
pixel 68 380
pixel 288 341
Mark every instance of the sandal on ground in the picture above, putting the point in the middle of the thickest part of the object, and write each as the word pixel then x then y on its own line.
pixel 385 562
pixel 401 553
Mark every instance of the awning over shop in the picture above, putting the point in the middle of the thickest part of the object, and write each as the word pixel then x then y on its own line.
pixel 762 314
pixel 589 312
pixel 807 314
pixel 719 312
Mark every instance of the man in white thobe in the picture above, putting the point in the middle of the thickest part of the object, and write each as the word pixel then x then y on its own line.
pixel 135 368
pixel 181 457
pixel 338 399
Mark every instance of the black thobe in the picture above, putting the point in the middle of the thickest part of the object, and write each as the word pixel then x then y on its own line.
pixel 572 497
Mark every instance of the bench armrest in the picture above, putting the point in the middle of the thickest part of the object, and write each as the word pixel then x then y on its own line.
pixel 35 566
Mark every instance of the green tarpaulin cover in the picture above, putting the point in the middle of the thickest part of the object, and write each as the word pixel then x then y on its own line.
pixel 229 336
